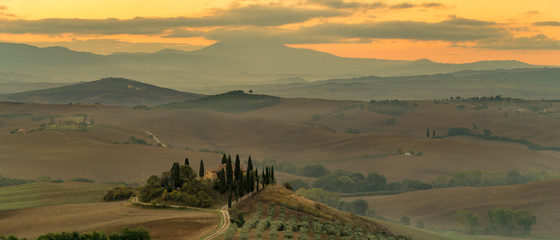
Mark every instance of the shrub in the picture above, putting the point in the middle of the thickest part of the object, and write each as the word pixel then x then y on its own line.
pixel 420 224
pixel 405 220
pixel 391 121
pixel 118 193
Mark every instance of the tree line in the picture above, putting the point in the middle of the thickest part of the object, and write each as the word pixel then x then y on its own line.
pixel 126 234
pixel 343 181
pixel 182 185
pixel 232 180
pixel 500 221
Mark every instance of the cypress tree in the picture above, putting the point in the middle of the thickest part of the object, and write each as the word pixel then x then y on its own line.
pixel 249 164
pixel 241 185
pixel 229 199
pixel 187 161
pixel 222 181
pixel 272 178
pixel 257 178
pixel 263 176
pixel 248 182
pixel 224 159
pixel 428 132
pixel 237 167
pixel 229 173
pixel 176 175
pixel 201 169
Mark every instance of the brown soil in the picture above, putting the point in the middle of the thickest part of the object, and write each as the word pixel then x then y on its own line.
pixel 108 217
pixel 436 207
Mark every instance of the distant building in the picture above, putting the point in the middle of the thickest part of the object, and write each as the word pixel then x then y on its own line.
pixel 213 173
pixel 407 154
pixel 551 110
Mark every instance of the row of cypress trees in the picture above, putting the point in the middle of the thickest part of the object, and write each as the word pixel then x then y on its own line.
pixel 234 182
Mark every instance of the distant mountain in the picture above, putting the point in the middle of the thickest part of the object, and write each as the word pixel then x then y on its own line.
pixel 527 83
pixel 108 91
pixel 216 65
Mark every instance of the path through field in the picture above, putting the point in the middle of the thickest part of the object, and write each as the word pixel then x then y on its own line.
pixel 223 212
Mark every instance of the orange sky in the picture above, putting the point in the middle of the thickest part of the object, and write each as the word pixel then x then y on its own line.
pixel 445 31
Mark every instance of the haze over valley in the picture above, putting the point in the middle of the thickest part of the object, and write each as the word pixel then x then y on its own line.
pixel 281 120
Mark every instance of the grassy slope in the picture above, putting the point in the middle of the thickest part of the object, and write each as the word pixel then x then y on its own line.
pixel 114 91
pixel 42 194
pixel 230 102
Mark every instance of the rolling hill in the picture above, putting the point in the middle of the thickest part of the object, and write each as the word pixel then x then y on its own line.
pixel 436 207
pixel 108 91
pixel 216 65
pixel 528 83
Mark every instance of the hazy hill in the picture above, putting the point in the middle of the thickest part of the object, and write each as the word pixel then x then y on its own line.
pixel 108 91
pixel 230 102
pixel 528 83
pixel 215 65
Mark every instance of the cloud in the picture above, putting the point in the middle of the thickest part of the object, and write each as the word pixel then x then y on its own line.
pixel 340 4
pixel 531 13
pixel 5 14
pixel 403 6
pixel 536 42
pixel 452 30
pixel 253 15
pixel 432 5
pixel 548 23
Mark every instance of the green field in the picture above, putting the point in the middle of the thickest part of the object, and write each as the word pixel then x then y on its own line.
pixel 42 194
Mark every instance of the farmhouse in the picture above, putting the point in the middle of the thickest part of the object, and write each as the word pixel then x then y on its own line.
pixel 213 173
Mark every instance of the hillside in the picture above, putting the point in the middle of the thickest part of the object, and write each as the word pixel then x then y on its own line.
pixel 214 66
pixel 107 217
pixel 288 213
pixel 107 91
pixel 436 207
pixel 527 83
pixel 230 102
pixel 285 132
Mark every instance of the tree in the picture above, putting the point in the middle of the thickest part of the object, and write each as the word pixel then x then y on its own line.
pixel 376 182
pixel 434 133
pixel 257 180
pixel 224 159
pixel 420 224
pixel 201 169
pixel 391 121
pixel 222 184
pixel 241 185
pixel 428 132
pixel 272 178
pixel 405 220
pixel 467 220
pixel 237 170
pixel 176 175
pixel 461 107
pixel 187 161
pixel 229 173
pixel 249 164
pixel 229 199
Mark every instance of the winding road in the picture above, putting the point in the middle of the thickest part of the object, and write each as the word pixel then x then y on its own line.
pixel 223 212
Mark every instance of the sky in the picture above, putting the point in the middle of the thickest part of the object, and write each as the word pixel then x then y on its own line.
pixel 454 31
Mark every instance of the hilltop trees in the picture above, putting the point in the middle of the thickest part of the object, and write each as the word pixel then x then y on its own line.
pixel 237 182
pixel 178 185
